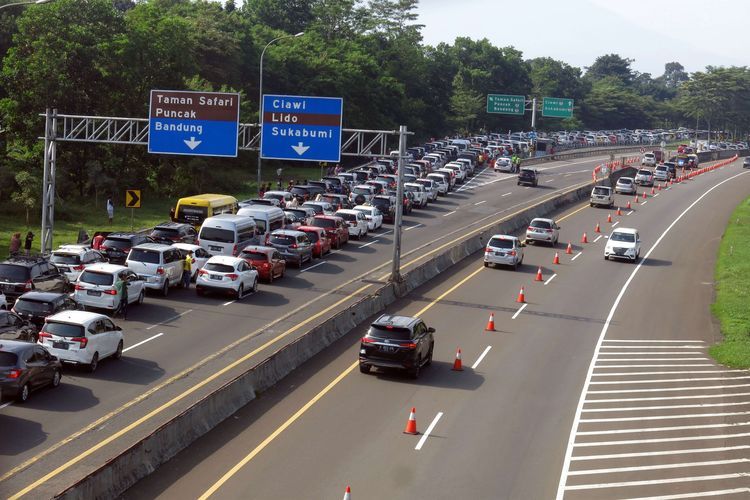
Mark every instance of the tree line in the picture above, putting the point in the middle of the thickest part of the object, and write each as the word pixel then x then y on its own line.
pixel 102 57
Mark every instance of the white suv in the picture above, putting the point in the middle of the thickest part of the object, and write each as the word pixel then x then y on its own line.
pixel 649 159
pixel 602 195
pixel 81 338
pixel 160 266
pixel 356 222
pixel 623 243
pixel 420 193
pixel 100 286
pixel 72 259
pixel 504 250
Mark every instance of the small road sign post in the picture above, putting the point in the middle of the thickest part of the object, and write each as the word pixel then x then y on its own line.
pixel 132 201
pixel 193 123
pixel 506 104
pixel 301 128
pixel 557 107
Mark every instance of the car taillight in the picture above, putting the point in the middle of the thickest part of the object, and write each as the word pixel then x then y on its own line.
pixel 29 285
pixel 232 276
pixel 410 345
pixel 512 253
pixel 79 287
pixel 110 292
pixel 529 228
pixel 159 270
pixel 81 340
pixel 78 268
pixel 202 272
pixel 367 340
pixel 266 264
pixel 548 230
pixel 234 250
pixel 293 245
pixel 488 249
pixel 14 373
pixel 45 335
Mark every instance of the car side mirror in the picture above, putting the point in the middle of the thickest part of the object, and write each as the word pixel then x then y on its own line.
pixel 431 330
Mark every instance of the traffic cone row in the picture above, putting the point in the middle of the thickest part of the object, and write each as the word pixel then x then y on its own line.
pixel 644 195
pixel 628 206
pixel 619 212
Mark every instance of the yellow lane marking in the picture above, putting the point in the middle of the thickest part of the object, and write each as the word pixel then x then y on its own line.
pixel 173 401
pixel 236 468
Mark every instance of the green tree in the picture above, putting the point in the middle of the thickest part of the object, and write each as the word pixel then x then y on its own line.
pixel 611 66
pixel 465 105
pixel 28 192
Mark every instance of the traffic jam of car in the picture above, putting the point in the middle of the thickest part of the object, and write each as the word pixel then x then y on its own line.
pixel 67 303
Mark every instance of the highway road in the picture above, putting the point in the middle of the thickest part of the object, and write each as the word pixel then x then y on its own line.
pixel 173 342
pixel 599 387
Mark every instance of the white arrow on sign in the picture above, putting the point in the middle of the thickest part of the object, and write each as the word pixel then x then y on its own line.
pixel 192 143
pixel 300 148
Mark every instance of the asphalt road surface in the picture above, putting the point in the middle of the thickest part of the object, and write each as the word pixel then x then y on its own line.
pixel 599 387
pixel 172 342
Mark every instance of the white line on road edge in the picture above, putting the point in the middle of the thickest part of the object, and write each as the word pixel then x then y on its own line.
pixel 143 342
pixel 169 319
pixel 650 341
pixel 664 440
pixel 576 256
pixel 652 359
pixel 680 372
pixel 550 278
pixel 228 302
pixel 413 227
pixel 551 180
pixel 658 381
pixel 428 431
pixel 598 238
pixel 666 407
pixel 506 194
pixel 481 357
pixel 657 467
pixel 657 194
pixel 615 223
pixel 386 232
pixel 368 244
pixel 648 353
pixel 5 405
pixel 665 417
pixel 574 428
pixel 630 212
pixel 709 365
pixel 654 347
pixel 313 267
pixel 697 494
pixel 671 398
pixel 663 429
pixel 644 202
pixel 672 389
pixel 656 481
pixel 480 202
pixel 519 311
pixel 665 452
pixel 449 213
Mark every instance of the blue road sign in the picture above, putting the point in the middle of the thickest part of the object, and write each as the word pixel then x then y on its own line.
pixel 301 128
pixel 193 123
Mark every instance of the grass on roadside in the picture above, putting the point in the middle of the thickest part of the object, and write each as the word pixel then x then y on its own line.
pixel 732 305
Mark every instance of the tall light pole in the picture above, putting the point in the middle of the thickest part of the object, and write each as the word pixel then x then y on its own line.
pixel 260 95
pixel 32 2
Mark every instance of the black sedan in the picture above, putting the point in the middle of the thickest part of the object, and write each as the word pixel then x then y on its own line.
pixel 26 367
pixel 14 327
pixel 36 306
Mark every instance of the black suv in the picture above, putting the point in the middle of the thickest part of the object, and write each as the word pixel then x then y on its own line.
pixel 383 203
pixel 14 327
pixel 397 342
pixel 174 232
pixel 746 162
pixel 19 275
pixel 117 245
pixel 527 176
pixel 36 306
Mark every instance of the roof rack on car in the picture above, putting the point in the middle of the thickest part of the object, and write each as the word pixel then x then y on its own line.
pixel 27 258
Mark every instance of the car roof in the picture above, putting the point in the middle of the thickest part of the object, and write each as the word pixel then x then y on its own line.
pixel 628 230
pixel 42 296
pixel 186 246
pixel 14 346
pixel 331 217
pixel 78 317
pixel 625 178
pixel 551 221
pixel 349 211
pixel 258 248
pixel 288 232
pixel 394 320
pixel 170 225
pixel 159 247
pixel 224 259
pixel 369 208
pixel 104 267
pixel 504 237
pixel 311 228
pixel 120 235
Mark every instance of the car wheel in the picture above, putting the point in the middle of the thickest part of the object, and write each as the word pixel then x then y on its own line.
pixel 200 292
pixel 56 377
pixel 364 368
pixel 118 352
pixel 486 264
pixel 255 286
pixel 414 372
pixel 165 290
pixel 240 291
pixel 23 394
pixel 270 276
pixel 141 296
pixel 94 362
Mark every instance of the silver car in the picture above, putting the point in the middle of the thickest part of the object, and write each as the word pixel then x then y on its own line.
pixel 504 250
pixel 644 177
pixel 626 185
pixel 543 230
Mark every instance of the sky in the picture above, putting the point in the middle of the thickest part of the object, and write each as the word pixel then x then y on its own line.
pixel 652 32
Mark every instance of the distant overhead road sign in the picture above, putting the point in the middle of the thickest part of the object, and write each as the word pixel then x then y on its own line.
pixel 301 128
pixel 506 104
pixel 557 107
pixel 193 123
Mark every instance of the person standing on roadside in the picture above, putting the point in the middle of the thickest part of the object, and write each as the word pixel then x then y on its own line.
pixel 124 298
pixel 29 241
pixel 110 210
pixel 15 244
pixel 187 269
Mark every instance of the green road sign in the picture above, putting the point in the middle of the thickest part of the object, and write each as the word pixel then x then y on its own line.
pixel 557 107
pixel 506 104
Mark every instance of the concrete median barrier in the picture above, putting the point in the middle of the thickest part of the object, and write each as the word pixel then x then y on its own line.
pixel 149 451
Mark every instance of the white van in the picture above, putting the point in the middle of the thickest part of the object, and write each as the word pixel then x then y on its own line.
pixel 267 220
pixel 228 234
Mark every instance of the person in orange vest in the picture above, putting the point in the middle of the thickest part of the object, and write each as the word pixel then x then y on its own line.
pixel 96 244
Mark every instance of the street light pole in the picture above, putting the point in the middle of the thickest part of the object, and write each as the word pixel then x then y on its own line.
pixel 260 96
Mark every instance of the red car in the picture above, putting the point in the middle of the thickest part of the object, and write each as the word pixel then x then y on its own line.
pixel 266 260
pixel 319 239
pixel 335 227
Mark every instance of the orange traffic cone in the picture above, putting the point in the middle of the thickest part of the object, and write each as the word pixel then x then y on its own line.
pixel 457 366
pixel 597 229
pixel 609 218
pixel 584 238
pixel 652 190
pixel 539 274
pixel 348 493
pixel 644 195
pixel 491 323
pixel 619 212
pixel 569 250
pixel 628 206
pixel 659 187
pixel 635 199
pixel 411 424
pixel 521 297
pixel 556 260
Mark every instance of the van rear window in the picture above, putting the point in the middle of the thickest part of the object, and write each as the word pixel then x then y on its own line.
pixel 145 256
pixel 216 234
pixel 95 278
pixel 63 329
pixel 324 223
pixel 192 215
pixel 500 243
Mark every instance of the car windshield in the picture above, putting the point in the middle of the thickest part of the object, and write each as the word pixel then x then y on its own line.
pixel 644 172
pixel 13 274
pixel 625 180
pixel 347 216
pixel 217 234
pixel 383 332
pixel 283 239
pixel 541 224
pixel 601 190
pixel 318 209
pixel 63 329
pixel 219 268
pixel 165 233
pixel 380 202
pixel 527 172
pixel 95 278
pixel 32 306
pixel 324 223
pixel 254 255
pixel 661 168
pixel 116 243
pixel 618 236
pixel 65 258
pixel 358 190
pixel 299 213
pixel 273 196
pixel 145 256
pixel 500 243
pixel 8 358
pixel 312 236
pixel 260 225
pixel 299 191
